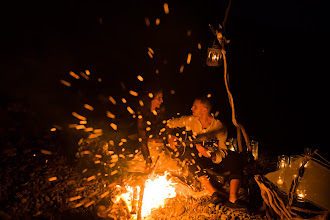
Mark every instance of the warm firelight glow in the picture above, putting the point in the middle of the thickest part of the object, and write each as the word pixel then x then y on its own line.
pixel 155 193
pixel 166 9
pixel 280 181
pixel 140 78
pixel 157 190
pixel 128 197
pixel 301 194
pixel 189 58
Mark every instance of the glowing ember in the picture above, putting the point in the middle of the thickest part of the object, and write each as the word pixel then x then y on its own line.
pixel 133 93
pixel 110 115
pixel 140 78
pixel 166 10
pixel 89 107
pixel 189 58
pixel 74 75
pixel 79 127
pixel 150 55
pixel 78 116
pixel 130 110
pixel 52 179
pixel 181 68
pixel 114 126
pixel 151 50
pixel 84 75
pixel 65 83
pixel 112 100
pixel 46 152
pixel 147 21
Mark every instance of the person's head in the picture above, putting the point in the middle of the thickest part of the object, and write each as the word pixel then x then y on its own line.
pixel 201 106
pixel 152 100
pixel 157 100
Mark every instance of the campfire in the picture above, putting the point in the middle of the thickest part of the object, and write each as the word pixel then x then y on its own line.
pixel 142 200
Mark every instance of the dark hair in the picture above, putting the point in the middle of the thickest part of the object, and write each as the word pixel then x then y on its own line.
pixel 205 101
pixel 146 99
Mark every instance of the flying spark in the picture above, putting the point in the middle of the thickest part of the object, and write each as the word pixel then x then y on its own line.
pixel 74 75
pixel 88 107
pixel 46 152
pixel 181 68
pixel 133 93
pixel 189 58
pixel 151 50
pixel 65 83
pixel 112 100
pixel 166 10
pixel 110 115
pixel 78 116
pixel 84 75
pixel 130 110
pixel 147 21
pixel 52 179
pixel 114 126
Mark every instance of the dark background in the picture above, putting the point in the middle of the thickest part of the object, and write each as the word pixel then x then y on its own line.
pixel 277 62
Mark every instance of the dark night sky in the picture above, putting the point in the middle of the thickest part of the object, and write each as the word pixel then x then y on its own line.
pixel 276 61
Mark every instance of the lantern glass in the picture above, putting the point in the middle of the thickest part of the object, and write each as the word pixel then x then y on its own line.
pixel 214 56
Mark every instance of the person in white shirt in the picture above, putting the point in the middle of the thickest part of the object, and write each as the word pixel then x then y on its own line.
pixel 203 125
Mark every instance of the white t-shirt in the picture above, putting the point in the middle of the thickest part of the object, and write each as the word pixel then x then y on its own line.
pixel 215 130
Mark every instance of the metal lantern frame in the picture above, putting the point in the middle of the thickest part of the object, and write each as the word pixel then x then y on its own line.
pixel 214 55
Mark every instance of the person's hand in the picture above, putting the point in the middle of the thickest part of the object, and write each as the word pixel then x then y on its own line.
pixel 202 150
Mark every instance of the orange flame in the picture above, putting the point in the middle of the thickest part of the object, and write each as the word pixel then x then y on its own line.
pixel 157 189
pixel 155 193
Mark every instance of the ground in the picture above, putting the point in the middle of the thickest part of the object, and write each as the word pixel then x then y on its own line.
pixel 38 181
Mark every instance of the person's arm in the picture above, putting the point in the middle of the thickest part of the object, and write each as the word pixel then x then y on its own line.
pixel 144 142
pixel 170 125
pixel 222 137
pixel 222 148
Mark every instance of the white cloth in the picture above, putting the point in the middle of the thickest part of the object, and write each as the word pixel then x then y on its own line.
pixel 216 130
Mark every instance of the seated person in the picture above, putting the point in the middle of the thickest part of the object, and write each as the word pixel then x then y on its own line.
pixel 150 127
pixel 202 123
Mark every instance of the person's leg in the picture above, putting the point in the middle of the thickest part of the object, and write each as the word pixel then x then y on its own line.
pixel 207 185
pixel 196 166
pixel 231 163
pixel 233 189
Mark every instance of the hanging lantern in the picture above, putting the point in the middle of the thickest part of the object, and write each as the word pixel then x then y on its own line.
pixel 214 55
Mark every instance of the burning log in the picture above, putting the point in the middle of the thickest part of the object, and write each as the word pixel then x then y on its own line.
pixel 140 202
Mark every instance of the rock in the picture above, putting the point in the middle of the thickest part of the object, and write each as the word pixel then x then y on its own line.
pixel 38 205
